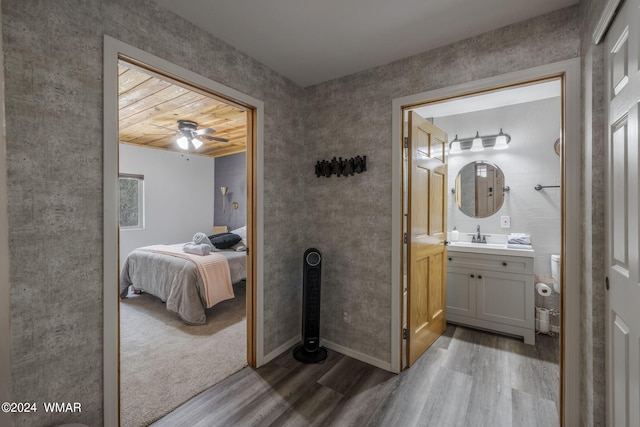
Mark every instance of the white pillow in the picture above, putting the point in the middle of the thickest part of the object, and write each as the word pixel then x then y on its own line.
pixel 242 232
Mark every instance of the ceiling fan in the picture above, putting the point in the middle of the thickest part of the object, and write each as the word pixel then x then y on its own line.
pixel 188 132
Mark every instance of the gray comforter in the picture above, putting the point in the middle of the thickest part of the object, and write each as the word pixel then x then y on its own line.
pixel 175 280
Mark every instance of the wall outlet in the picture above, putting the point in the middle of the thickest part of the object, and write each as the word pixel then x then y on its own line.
pixel 505 222
pixel 345 317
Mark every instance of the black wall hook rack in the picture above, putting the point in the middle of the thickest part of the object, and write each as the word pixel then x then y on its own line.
pixel 340 167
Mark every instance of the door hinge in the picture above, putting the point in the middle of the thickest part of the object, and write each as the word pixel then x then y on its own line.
pixel 406 142
pixel 405 333
pixel 404 238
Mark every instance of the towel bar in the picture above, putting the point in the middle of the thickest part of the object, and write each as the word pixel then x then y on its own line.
pixel 540 187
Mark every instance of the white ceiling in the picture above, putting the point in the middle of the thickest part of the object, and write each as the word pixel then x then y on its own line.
pixel 312 41
pixel 493 99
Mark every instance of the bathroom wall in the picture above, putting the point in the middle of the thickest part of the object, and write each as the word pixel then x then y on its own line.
pixel 529 160
pixel 178 196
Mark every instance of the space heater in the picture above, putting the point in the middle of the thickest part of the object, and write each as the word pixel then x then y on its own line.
pixel 310 351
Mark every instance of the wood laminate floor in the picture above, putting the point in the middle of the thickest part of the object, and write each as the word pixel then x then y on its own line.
pixel 467 378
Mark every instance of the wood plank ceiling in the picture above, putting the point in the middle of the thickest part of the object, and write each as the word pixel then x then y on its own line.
pixel 150 107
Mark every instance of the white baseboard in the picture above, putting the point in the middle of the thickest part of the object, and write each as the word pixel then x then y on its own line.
pixel 357 355
pixel 278 351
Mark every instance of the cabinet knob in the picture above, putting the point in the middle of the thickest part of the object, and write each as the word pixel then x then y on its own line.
pixel 472 276
pixel 450 258
pixel 479 277
pixel 504 263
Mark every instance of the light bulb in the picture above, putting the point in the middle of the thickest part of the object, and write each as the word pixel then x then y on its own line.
pixel 501 141
pixel 455 146
pixel 477 143
pixel 196 143
pixel 183 142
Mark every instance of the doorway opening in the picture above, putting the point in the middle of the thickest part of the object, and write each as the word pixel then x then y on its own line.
pixel 178 146
pixel 565 75
pixel 208 123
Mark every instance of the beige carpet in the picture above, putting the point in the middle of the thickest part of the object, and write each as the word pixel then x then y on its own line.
pixel 165 362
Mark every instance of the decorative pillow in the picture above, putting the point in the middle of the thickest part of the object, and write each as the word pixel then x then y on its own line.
pixel 224 240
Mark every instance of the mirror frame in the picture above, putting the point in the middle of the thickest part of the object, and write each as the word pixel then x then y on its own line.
pixel 497 190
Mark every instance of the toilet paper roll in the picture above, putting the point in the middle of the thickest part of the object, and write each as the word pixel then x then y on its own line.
pixel 543 289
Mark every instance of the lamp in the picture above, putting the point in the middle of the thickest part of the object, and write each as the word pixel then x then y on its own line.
pixel 196 143
pixel 223 190
pixel 455 146
pixel 501 141
pixel 477 143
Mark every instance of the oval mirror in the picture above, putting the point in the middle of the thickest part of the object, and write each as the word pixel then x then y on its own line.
pixel 479 190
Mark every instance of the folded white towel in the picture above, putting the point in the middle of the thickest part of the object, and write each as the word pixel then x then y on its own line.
pixel 199 249
pixel 519 238
pixel 519 246
pixel 201 238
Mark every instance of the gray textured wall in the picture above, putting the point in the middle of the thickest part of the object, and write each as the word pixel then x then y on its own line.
pixel 231 172
pixel 350 218
pixel 592 304
pixel 53 60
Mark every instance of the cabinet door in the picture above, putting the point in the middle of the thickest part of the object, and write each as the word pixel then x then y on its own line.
pixel 506 298
pixel 461 292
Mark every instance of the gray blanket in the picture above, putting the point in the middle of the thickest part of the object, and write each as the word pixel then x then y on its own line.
pixel 175 280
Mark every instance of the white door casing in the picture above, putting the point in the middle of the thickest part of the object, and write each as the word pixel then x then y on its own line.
pixel 622 315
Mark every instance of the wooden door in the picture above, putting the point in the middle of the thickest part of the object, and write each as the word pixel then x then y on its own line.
pixel 426 234
pixel 623 241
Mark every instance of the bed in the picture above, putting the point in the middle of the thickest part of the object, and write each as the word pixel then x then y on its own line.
pixel 187 284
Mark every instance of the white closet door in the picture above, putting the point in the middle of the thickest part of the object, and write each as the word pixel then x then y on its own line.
pixel 623 243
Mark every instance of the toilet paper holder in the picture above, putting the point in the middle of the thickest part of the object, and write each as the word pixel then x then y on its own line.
pixel 543 289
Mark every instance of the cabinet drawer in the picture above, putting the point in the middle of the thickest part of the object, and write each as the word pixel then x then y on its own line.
pixel 507 264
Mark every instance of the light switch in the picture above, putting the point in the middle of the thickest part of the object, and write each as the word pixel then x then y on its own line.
pixel 505 222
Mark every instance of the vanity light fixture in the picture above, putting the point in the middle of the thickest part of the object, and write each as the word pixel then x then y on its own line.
pixel 455 146
pixel 479 142
pixel 501 141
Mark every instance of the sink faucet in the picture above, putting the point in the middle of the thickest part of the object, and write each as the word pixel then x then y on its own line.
pixel 479 236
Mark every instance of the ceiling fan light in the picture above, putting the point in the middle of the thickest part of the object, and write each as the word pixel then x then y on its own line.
pixel 196 143
pixel 501 141
pixel 477 143
pixel 183 142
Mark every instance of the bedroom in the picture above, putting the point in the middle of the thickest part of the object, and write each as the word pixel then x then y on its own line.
pixel 167 195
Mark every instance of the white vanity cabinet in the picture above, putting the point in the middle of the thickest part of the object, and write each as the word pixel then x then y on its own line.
pixel 493 292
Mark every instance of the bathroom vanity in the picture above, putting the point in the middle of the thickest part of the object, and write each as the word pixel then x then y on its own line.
pixel 491 287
